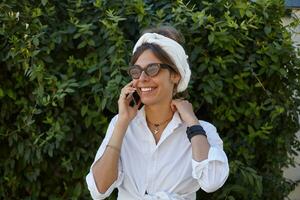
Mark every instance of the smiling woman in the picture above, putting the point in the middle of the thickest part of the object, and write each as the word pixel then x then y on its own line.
pixel 161 151
pixel 158 88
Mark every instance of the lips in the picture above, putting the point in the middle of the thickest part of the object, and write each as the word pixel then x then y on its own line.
pixel 147 90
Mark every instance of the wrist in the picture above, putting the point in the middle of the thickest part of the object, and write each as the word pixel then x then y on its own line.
pixel 122 125
pixel 195 130
pixel 192 122
pixel 123 120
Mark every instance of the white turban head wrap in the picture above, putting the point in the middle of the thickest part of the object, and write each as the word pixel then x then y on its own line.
pixel 175 52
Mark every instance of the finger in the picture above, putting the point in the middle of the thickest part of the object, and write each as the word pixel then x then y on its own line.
pixel 173 107
pixel 125 92
pixel 178 100
pixel 129 95
pixel 127 87
pixel 134 83
pixel 136 107
pixel 129 84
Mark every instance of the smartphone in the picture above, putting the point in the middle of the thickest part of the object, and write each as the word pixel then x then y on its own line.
pixel 135 99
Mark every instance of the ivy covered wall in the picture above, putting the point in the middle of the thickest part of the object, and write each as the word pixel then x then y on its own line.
pixel 63 64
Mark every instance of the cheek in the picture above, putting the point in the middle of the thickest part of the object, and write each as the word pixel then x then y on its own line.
pixel 167 85
pixel 166 82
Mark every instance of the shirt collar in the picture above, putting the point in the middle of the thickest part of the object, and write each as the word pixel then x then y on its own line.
pixel 173 124
pixel 141 117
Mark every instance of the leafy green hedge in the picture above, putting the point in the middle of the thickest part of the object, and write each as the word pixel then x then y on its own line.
pixel 63 63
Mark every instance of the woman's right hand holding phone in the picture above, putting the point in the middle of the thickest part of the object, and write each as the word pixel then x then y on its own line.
pixel 127 112
pixel 105 170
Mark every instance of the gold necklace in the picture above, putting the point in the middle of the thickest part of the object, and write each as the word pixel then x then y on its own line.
pixel 157 125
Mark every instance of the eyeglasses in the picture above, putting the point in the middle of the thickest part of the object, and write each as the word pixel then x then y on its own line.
pixel 151 70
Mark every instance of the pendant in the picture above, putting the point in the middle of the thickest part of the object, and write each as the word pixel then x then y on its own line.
pixel 156 129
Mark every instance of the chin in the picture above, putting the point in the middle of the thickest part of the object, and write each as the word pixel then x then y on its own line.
pixel 149 102
pixel 153 101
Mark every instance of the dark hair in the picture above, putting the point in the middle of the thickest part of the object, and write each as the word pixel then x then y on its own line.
pixel 167 31
pixel 162 55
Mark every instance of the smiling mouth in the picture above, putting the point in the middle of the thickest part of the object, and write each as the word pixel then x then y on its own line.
pixel 147 89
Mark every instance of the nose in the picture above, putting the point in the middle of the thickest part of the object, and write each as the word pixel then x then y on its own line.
pixel 143 76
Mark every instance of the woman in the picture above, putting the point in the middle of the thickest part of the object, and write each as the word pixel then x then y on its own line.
pixel 161 151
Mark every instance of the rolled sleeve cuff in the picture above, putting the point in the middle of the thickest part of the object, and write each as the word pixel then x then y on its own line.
pixel 93 187
pixel 212 172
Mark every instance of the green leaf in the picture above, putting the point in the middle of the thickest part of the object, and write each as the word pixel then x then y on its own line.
pixel 1 93
pixel 267 30
pixel 208 99
pixel 211 38
pixel 82 44
pixel 84 109
pixel 36 41
pixel 69 90
pixel 11 94
pixel 77 190
pixel 44 2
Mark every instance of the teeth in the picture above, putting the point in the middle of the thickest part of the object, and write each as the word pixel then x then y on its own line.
pixel 146 89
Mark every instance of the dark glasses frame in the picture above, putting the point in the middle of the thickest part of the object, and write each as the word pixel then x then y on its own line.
pixel 146 69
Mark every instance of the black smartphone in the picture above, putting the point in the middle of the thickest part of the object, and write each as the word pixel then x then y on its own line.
pixel 135 99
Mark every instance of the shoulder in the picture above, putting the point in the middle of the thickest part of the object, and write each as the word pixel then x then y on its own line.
pixel 114 119
pixel 136 120
pixel 112 123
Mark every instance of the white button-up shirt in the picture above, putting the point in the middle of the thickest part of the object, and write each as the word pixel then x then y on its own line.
pixel 166 170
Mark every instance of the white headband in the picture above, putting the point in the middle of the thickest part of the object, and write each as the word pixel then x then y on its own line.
pixel 175 52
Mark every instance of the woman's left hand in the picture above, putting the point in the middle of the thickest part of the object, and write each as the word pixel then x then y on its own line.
pixel 185 110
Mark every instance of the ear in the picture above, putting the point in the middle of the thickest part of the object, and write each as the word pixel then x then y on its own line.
pixel 175 78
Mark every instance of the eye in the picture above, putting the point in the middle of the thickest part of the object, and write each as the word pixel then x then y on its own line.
pixel 152 69
pixel 135 72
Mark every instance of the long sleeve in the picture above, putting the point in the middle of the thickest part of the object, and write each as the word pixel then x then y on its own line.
pixel 212 172
pixel 96 195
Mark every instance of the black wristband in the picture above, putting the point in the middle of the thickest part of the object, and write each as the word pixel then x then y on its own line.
pixel 195 130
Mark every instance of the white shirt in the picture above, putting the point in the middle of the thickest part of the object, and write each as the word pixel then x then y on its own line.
pixel 166 170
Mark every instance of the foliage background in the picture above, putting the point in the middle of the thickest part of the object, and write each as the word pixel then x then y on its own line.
pixel 64 62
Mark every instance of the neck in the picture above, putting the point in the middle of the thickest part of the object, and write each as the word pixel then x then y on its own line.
pixel 158 113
